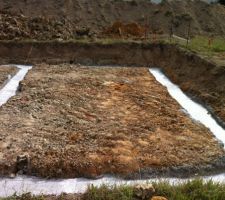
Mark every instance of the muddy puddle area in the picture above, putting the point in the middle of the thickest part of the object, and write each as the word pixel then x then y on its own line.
pixel 76 121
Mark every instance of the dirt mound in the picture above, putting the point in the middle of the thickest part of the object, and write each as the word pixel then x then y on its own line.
pixel 18 26
pixel 96 15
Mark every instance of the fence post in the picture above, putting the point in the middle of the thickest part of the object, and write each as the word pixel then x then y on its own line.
pixel 171 30
pixel 146 27
pixel 188 33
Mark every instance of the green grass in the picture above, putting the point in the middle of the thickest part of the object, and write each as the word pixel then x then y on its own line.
pixel 192 190
pixel 109 193
pixel 200 44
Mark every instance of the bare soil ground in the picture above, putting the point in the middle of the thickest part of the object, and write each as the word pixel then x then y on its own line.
pixel 73 121
pixel 5 71
pixel 34 19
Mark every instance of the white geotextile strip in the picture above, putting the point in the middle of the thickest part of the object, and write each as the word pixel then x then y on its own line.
pixel 9 90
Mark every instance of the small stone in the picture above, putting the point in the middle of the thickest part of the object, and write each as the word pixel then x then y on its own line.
pixel 158 198
pixel 20 173
pixel 144 191
pixel 22 163
pixel 12 175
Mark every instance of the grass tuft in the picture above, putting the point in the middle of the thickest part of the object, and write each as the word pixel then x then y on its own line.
pixel 192 190
pixel 109 193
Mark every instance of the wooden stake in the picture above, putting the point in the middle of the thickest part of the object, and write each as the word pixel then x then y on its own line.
pixel 188 34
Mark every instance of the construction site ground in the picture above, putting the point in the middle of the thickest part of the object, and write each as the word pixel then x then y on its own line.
pixel 79 121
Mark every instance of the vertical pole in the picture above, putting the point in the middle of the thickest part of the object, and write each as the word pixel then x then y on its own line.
pixel 146 28
pixel 210 41
pixel 171 31
pixel 188 33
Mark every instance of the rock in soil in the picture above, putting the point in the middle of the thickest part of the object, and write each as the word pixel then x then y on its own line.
pixel 144 191
pixel 158 198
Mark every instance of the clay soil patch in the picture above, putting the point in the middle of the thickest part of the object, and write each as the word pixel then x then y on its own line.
pixel 74 121
pixel 5 73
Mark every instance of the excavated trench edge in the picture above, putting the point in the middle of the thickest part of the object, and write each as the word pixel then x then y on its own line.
pixel 194 110
pixel 37 186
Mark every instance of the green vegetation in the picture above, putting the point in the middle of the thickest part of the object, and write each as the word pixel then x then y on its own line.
pixel 109 193
pixel 203 45
pixel 192 190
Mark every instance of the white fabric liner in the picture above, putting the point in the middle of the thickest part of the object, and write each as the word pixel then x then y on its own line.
pixel 37 186
pixel 9 90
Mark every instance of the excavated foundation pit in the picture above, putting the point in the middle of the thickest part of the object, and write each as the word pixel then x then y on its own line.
pixel 120 86
pixel 204 83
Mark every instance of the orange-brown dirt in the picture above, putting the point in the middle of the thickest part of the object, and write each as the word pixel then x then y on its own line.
pixel 5 73
pixel 119 29
pixel 73 121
